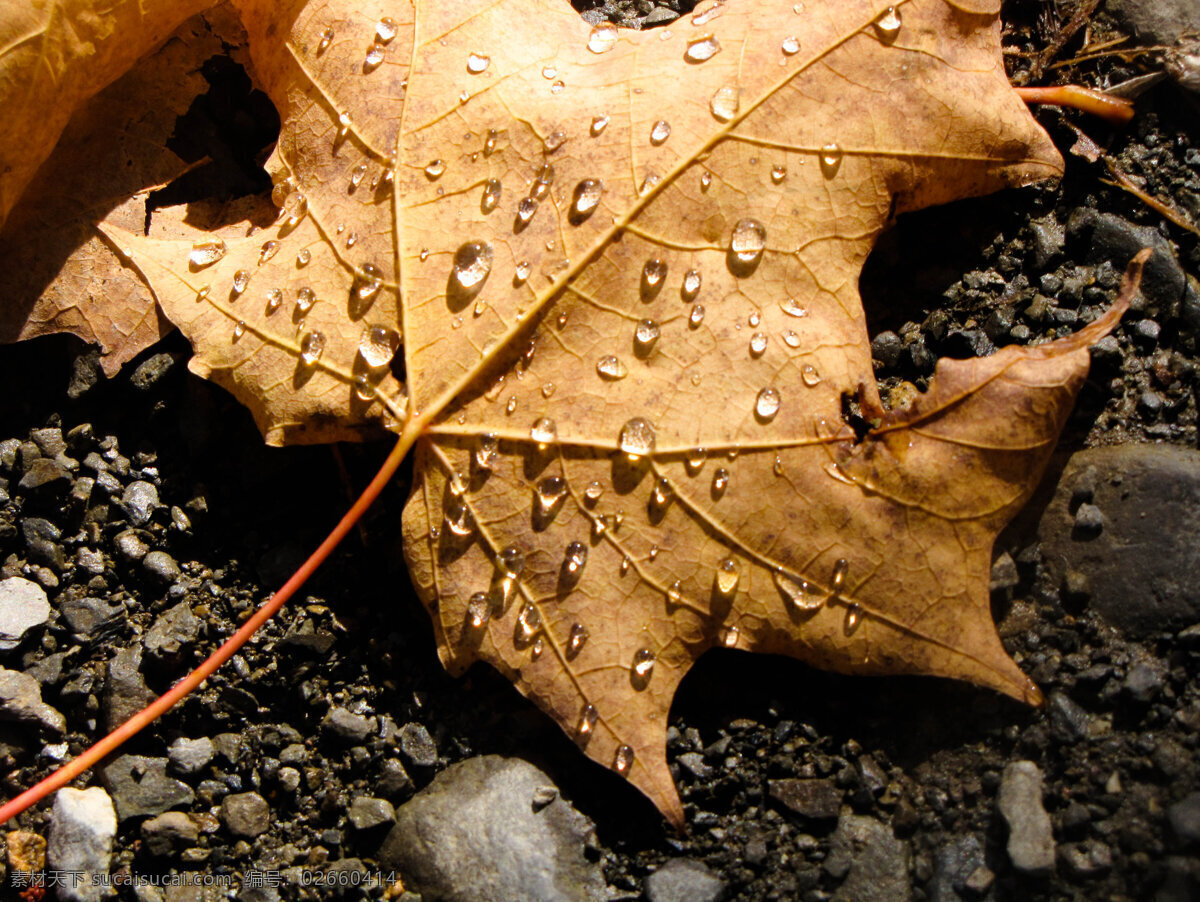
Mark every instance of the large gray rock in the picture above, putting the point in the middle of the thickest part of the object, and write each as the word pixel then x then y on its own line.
pixel 1030 834
pixel 1137 562
pixel 483 830
pixel 1157 21
pixel 684 880
pixel 21 700
pixel 83 825
pixel 140 786
pixel 23 605
pixel 875 863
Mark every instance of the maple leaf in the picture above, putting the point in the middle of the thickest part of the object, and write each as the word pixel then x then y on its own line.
pixel 623 269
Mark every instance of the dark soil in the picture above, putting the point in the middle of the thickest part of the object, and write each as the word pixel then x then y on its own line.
pixel 922 756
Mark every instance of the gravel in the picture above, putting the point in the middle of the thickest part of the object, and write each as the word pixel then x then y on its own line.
pixel 23 606
pixel 1030 833
pixel 83 826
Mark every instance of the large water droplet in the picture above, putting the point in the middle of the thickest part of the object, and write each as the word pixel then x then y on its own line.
pixel 435 170
pixel 491 195
pixel 729 638
pixel 303 257
pixel 643 667
pixel 544 431
pixel 726 578
pixel 887 26
pixel 586 198
pixel 778 173
pixel 479 611
pixel 368 280
pixel 599 124
pixel 654 272
pixel 758 344
pixel 747 241
pixel 695 460
pixel 554 140
pixel 477 63
pixel 305 298
pixel 548 495
pixel 385 30
pixel 576 640
pixel 529 621
pixel 854 614
pixel 725 103
pixel 377 346
pixel 645 337
pixel 593 492
pixel 485 450
pixel 511 560
pixel 525 210
pixel 373 59
pixel 326 39
pixel 790 45
pixel 720 480
pixel 549 72
pixel 611 367
pixel 659 132
pixel 831 160
pixel 766 405
pixel 810 375
pixel 691 285
pixel 799 594
pixel 239 329
pixel 521 271
pixel 241 279
pixel 575 558
pixel 357 174
pixel 702 49
pixel 472 266
pixel 623 760
pixel 793 307
pixel 587 722
pixel 637 437
pixel 206 252
pixel 602 38
pixel 696 317
pixel 791 339
pixel 312 345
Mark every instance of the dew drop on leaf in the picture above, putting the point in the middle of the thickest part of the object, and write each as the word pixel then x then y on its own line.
pixel 695 460
pixel 792 307
pixel 343 127
pixel 839 575
pixel 810 375
pixel 485 450
pixel 489 143
pixel 472 266
pixel 602 38
pixel 637 438
pixel 650 182
pixel 554 140
pixel 491 195
pixel 269 250
pixel 356 175
pixel 525 209
pixel 385 31
pixel 477 63
pixel 549 72
pixel 206 252
pixel 587 722
pixel 726 579
pixel 304 299
pixel 653 273
pixel 610 367
pixel 691 285
pixel 729 638
pixel 643 667
pixel 479 610
pixel 585 200
pixel 303 257
pixel 623 759
pixel 512 560
pixel 600 526
pixel 529 621
pixel 790 45
pixel 593 491
pixel 747 241
pixel 241 279
pixel 274 299
pixel 887 26
pixel 661 497
pixel 239 330
pixel 326 40
pixel 645 337
pixel 778 173
pixel 720 480
pixel 549 494
pixel 575 557
pixel 853 619
pixel 312 345
pixel 435 169
pixel 797 593
pixel 368 281
pixel 543 431
pixel 377 346
pixel 725 103
pixel 521 272
pixel 831 160
pixel 659 132
pixel 758 344
pixel 791 339
pixel 696 317
pixel 701 50
pixel 599 124
pixel 576 639
pixel 766 405
pixel 705 180
pixel 373 58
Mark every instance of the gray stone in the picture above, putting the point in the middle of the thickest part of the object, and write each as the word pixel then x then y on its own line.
pixel 417 745
pixel 1157 21
pixel 151 370
pixel 473 835
pixel 42 540
pixel 169 833
pixel 187 756
pixel 131 546
pixel 50 440
pixel 161 565
pixel 140 786
pixel 44 475
pixel 83 826
pixel 88 616
pixel 125 690
pixel 1143 682
pixel 23 605
pixel 1184 818
pixel 245 814
pixel 696 765
pixel 1114 239
pixel 1086 859
pixel 875 863
pixel 684 880
pixel 21 700
pixel 1141 564
pixel 815 799
pixel 172 631
pixel 140 500
pixel 344 724
pixel 366 812
pixel 1030 835
pixel 953 866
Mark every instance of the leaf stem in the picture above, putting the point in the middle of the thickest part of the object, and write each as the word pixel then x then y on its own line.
pixel 1110 107
pixel 228 649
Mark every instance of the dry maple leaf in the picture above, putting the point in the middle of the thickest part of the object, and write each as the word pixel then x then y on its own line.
pixel 624 269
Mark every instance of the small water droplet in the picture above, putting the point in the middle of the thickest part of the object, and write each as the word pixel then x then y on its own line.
pixel 343 127
pixel 385 30
pixel 435 169
pixel 654 272
pixel 691 285
pixel 485 450
pixel 611 367
pixel 674 595
pixel 239 330
pixel 887 26
pixel 790 45
pixel 810 375
pixel 720 480
pixel 643 667
pixel 352 239
pixel 586 198
pixel 747 241
pixel 269 250
pixel 602 38
pixel 645 337
pixel 575 558
pixel 304 257
pixel 696 317
pixel 281 190
pixel 241 279
pixel 767 404
pixel 831 160
pixel 576 640
pixel 839 575
pixel 491 195
pixel 758 344
pixel 326 39
pixel 599 124
pixel 525 209
pixel 206 252
pixel 792 307
pixel 587 722
pixel 853 619
pixel 729 638
pixel 544 431
pixel 423 254
pixel 529 621
pixel 701 50
pixel 479 611
pixel 477 62
pixel 705 180
pixel 311 347
pixel 695 460
pixel 791 339
pixel 548 389
pixel 554 140
pixel 593 492
pixel 650 182
pixel 357 174
pixel 726 578
pixel 800 594
pixel 549 494
pixel 274 300
pixel 549 72
pixel 725 103
pixel 599 526
pixel 778 173
pixel 623 760
pixel 373 59
pixel 637 438
pixel 472 266
pixel 489 142
pixel 511 407
pixel 659 132
pixel 368 281
pixel 660 498
pixel 521 272
pixel 626 563
pixel 377 346
pixel 777 466
pixel 304 299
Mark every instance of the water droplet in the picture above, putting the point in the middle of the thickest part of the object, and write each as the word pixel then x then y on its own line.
pixel 810 375
pixel 659 132
pixel 511 406
pixel 790 45
pixel 602 38
pixel 593 491
pixel 274 300
pixel 479 610
pixel 767 404
pixel 599 124
pixel 485 451
pixel 239 330
pixel 831 160
pixel 637 437
pixel 791 339
pixel 645 337
pixel 477 63
pixel 887 26
pixel 241 279
pixel 701 50
pixel 800 594
pixel 554 140
pixel 356 175
pixel 587 722
pixel 304 299
pixel 747 241
pixel 623 760
pixel 600 526
pixel 650 182
pixel 529 621
pixel 653 273
pixel 729 638
pixel 691 285
pixel 311 347
pixel 853 619
pixel 839 575
pixel 575 558
pixel 674 595
pixel 435 169
pixel 303 257
pixel 343 127
pixel 726 578
pixel 643 666
pixel 777 466
pixel 695 460
pixel 385 30
pixel 696 317
pixel 625 564
pixel 206 252
pixel 525 209
pixel 792 307
pixel 586 198
pixel 705 180
pixel 544 431
pixel 720 480
pixel 754 318
pixel 661 497
pixel 725 103
pixel 778 173
pixel 472 265
pixel 521 272
pixel 326 39
pixel 373 58
pixel 377 345
pixel 352 239
pixel 576 640
pixel 491 195
pixel 610 367
pixel 269 250
pixel 548 390
pixel 489 143
pixel 549 494
pixel 758 344
pixel 368 280
pixel 549 72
